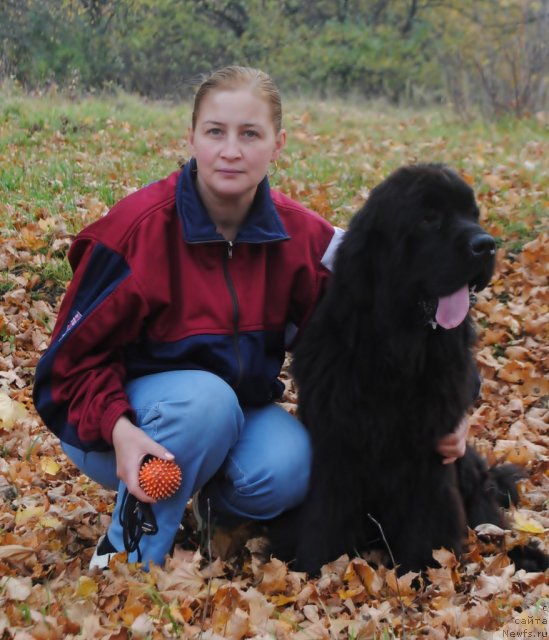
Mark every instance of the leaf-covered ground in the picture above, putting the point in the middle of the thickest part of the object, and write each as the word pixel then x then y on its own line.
pixel 62 165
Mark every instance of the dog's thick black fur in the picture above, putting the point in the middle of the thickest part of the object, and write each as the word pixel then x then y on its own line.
pixel 380 382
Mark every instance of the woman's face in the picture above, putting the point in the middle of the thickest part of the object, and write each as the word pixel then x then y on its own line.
pixel 233 142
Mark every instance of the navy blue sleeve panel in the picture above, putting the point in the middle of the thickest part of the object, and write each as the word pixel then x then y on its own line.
pixel 310 283
pixel 79 383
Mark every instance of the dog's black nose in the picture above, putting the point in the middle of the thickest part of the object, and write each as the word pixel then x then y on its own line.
pixel 483 244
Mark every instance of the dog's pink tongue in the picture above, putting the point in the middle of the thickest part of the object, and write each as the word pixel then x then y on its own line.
pixel 452 309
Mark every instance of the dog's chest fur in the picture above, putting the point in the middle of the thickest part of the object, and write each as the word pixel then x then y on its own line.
pixel 421 385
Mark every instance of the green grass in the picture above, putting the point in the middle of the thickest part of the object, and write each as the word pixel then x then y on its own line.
pixel 57 270
pixel 58 157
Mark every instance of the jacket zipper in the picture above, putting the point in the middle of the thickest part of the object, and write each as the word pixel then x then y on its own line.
pixel 236 310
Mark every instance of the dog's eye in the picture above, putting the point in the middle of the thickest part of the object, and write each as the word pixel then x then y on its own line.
pixel 430 219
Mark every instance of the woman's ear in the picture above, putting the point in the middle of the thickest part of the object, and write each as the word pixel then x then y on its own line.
pixel 280 143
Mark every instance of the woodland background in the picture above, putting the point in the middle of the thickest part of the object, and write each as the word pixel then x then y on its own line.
pixel 488 54
pixel 75 139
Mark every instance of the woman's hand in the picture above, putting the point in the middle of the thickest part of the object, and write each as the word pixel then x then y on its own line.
pixel 131 445
pixel 452 446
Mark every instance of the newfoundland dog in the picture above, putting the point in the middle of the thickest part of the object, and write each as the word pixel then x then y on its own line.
pixel 385 369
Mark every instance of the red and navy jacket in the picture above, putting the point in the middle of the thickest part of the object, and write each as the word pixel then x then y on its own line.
pixel 156 288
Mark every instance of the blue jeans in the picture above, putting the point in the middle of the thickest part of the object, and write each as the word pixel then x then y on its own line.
pixel 257 459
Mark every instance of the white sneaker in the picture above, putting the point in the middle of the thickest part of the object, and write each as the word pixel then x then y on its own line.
pixel 101 560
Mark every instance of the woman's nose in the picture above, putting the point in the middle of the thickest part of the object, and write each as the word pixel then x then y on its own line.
pixel 231 147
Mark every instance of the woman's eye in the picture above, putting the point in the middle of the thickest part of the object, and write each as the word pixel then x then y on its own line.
pixel 250 133
pixel 214 131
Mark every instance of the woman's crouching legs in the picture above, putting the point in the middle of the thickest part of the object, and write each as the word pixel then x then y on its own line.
pixel 197 417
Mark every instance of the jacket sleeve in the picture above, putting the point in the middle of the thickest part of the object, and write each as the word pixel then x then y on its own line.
pixel 79 383
pixel 311 282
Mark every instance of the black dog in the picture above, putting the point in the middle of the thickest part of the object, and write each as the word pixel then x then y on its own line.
pixel 385 369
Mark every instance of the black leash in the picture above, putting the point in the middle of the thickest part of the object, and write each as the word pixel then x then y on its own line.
pixel 137 518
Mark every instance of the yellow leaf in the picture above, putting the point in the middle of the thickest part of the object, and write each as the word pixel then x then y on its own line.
pixel 526 524
pixel 10 411
pixel 85 587
pixel 49 522
pixel 280 601
pixel 24 514
pixel 344 594
pixel 49 466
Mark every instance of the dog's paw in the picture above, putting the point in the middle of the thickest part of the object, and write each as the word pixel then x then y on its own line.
pixel 529 557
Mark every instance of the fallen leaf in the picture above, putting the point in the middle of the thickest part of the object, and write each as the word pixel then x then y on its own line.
pixel 49 466
pixel 14 551
pixel 142 626
pixel 10 411
pixel 16 588
pixel 526 524
pixel 25 514
pixel 85 587
pixel 489 585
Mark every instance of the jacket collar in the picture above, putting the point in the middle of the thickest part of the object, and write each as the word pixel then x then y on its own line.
pixel 263 224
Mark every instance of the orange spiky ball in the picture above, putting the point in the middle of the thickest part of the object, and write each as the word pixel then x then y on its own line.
pixel 159 479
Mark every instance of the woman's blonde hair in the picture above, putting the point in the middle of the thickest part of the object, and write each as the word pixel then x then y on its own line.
pixel 235 77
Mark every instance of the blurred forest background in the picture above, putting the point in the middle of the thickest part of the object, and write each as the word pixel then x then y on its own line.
pixel 490 56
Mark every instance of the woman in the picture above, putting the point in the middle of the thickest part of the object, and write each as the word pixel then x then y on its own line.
pixel 173 331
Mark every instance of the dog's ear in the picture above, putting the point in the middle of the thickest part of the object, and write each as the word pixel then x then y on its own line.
pixel 357 264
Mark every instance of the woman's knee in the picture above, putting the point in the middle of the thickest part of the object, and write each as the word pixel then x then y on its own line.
pixel 186 404
pixel 277 480
pixel 274 491
pixel 204 395
pixel 288 477
pixel 189 393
